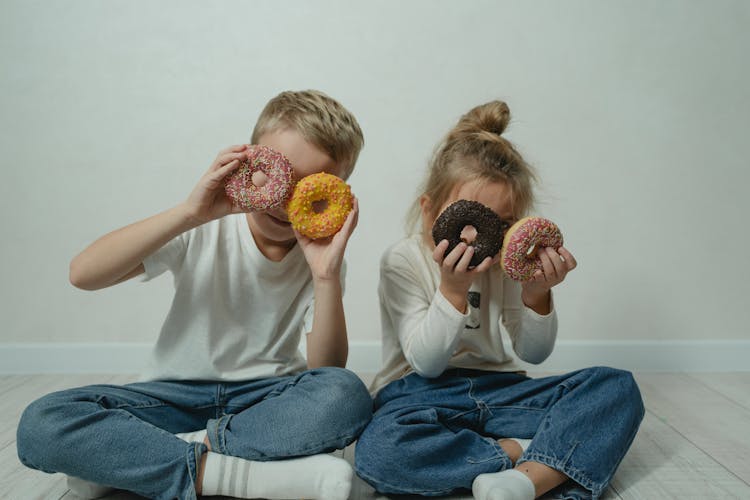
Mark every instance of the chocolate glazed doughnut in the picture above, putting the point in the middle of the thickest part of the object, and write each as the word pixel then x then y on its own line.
pixel 462 213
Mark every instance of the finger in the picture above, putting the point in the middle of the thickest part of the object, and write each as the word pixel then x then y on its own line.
pixel 221 173
pixel 558 261
pixel 349 224
pixel 354 214
pixel 484 265
pixel 454 255
pixel 233 149
pixel 570 261
pixel 465 260
pixel 227 158
pixel 439 253
pixel 547 266
pixel 301 238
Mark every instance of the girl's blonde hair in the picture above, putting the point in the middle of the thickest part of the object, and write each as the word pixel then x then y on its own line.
pixel 475 150
pixel 320 119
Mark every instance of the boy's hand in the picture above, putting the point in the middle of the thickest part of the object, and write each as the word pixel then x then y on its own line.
pixel 555 266
pixel 209 201
pixel 325 255
pixel 455 275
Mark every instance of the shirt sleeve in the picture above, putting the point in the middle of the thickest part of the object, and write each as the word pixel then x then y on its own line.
pixel 532 335
pixel 169 257
pixel 428 326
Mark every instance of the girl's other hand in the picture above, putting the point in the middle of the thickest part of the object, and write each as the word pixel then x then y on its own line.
pixel 556 264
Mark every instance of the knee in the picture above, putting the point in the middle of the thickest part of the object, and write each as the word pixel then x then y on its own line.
pixel 344 394
pixel 376 457
pixel 390 453
pixel 38 429
pixel 622 387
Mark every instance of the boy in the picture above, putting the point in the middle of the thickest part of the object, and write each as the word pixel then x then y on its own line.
pixel 228 405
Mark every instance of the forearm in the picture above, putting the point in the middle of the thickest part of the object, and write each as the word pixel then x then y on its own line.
pixel 327 342
pixel 536 338
pixel 432 338
pixel 118 254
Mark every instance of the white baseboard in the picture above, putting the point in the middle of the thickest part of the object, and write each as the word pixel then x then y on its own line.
pixel 365 356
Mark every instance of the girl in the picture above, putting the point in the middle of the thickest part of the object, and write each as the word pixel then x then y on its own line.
pixel 453 410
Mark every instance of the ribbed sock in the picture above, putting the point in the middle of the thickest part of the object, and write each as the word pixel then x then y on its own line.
pixel 320 477
pixel 197 436
pixel 509 484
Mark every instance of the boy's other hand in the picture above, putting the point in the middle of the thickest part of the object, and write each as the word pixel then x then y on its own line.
pixel 325 255
pixel 209 201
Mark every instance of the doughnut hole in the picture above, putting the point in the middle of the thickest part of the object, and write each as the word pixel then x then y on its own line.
pixel 319 206
pixel 259 178
pixel 468 234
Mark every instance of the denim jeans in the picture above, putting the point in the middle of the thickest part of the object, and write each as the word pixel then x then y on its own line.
pixel 124 436
pixel 434 436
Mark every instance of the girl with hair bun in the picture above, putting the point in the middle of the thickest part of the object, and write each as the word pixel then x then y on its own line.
pixel 453 409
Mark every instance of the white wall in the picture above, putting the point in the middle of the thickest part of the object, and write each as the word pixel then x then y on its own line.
pixel 635 113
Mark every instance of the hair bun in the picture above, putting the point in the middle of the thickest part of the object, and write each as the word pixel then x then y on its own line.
pixel 493 116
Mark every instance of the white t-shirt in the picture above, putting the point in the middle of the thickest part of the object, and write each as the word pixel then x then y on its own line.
pixel 235 315
pixel 423 332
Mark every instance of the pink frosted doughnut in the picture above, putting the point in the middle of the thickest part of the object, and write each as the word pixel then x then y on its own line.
pixel 518 257
pixel 274 193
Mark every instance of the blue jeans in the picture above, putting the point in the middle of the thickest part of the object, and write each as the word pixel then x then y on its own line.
pixel 124 436
pixel 434 436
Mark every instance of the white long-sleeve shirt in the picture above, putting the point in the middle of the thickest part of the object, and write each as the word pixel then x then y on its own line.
pixel 424 333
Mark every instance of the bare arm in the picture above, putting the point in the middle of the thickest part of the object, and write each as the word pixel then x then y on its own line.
pixel 327 342
pixel 118 256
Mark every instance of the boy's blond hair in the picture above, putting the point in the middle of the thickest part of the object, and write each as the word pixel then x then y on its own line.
pixel 321 120
pixel 475 150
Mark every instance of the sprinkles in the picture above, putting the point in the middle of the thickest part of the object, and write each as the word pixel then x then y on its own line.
pixel 277 188
pixel 311 190
pixel 519 256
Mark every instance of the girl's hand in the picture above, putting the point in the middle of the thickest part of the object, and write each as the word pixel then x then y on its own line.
pixel 555 266
pixel 455 275
pixel 325 255
pixel 209 201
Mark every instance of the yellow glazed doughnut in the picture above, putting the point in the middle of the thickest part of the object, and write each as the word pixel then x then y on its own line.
pixel 314 188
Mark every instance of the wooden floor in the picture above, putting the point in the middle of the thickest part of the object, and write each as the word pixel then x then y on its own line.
pixel 694 442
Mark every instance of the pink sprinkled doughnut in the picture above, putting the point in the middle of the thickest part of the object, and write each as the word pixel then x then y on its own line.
pixel 277 188
pixel 315 188
pixel 518 257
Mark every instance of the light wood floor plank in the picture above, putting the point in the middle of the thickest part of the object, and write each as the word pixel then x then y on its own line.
pixel 661 463
pixel 712 422
pixel 734 386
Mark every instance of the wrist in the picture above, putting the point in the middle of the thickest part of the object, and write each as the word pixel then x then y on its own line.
pixel 538 301
pixel 457 298
pixel 327 285
pixel 189 215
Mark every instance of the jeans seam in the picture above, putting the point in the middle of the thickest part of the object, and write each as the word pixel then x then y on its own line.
pixel 401 489
pixel 572 472
pixel 499 455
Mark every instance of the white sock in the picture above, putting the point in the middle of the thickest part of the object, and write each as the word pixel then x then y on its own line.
pixel 509 484
pixel 523 443
pixel 320 477
pixel 197 436
pixel 86 489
